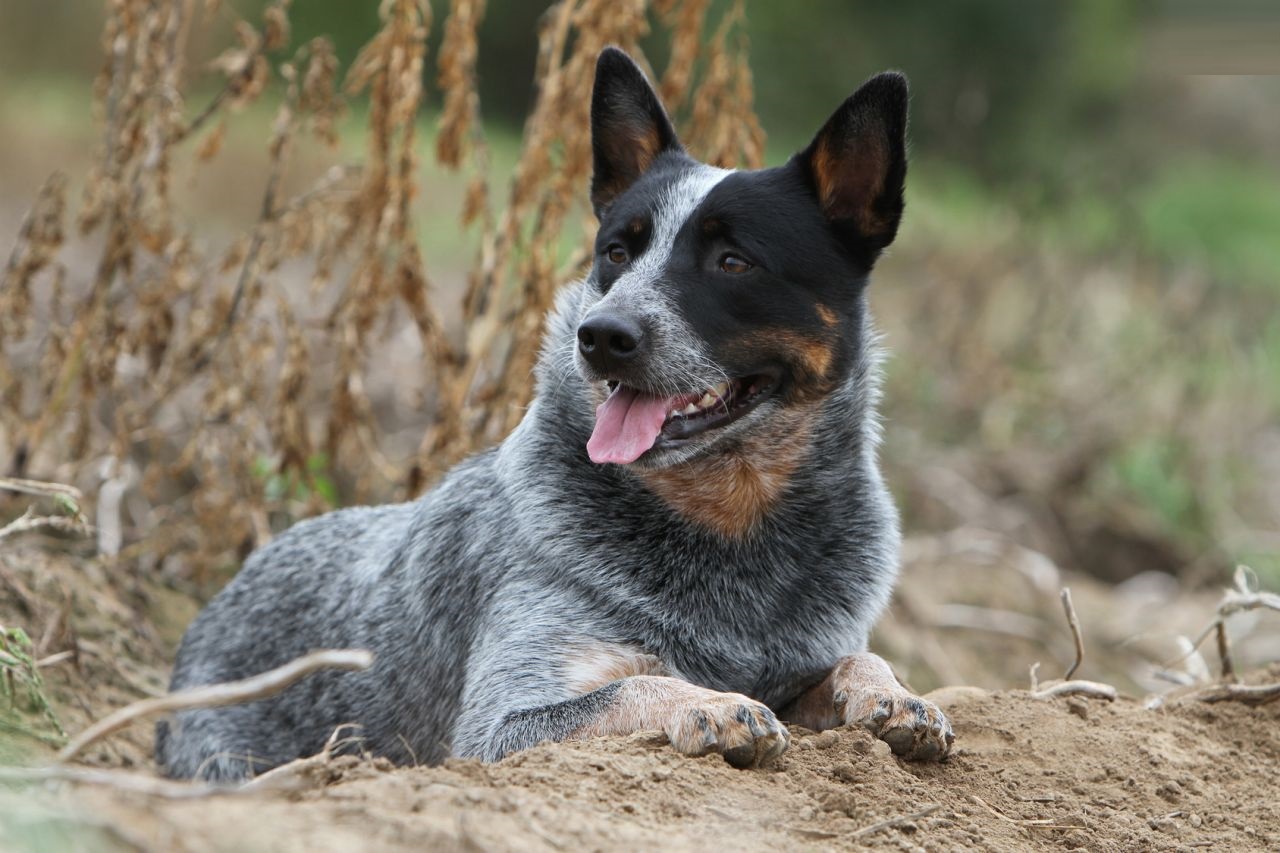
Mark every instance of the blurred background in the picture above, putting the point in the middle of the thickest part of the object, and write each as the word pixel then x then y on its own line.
pixel 1082 311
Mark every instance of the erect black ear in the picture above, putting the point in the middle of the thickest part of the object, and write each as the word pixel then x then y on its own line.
pixel 857 163
pixel 629 128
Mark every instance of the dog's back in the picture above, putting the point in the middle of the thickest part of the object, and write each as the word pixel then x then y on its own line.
pixel 368 577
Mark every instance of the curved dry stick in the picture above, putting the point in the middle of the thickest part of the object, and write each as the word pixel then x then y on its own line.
pixel 1076 688
pixel 896 821
pixel 137 783
pixel 1074 622
pixel 259 686
pixel 1249 694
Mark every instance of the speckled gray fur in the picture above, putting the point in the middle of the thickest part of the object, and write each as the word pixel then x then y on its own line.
pixel 475 598
pixel 469 596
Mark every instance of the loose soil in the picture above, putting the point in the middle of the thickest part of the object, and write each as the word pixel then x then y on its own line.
pixel 1026 773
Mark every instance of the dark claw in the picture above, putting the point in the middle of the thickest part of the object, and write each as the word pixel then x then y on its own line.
pixel 928 751
pixel 884 709
pixel 741 756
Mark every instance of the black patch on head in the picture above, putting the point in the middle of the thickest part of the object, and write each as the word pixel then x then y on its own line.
pixel 628 219
pixel 797 308
pixel 629 128
pixel 857 164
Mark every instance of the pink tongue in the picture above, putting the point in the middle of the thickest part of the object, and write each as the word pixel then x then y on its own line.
pixel 627 424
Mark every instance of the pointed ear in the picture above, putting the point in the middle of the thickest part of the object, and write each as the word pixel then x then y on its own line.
pixel 857 163
pixel 629 128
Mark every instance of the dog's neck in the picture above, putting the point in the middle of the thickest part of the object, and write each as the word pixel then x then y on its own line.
pixel 795 466
pixel 732 491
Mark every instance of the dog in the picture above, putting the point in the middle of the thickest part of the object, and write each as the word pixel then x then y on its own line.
pixel 688 532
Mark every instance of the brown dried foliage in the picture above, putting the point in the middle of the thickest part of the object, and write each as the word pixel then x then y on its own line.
pixel 231 406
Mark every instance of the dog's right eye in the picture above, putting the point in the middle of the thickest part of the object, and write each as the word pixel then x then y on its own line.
pixel 616 254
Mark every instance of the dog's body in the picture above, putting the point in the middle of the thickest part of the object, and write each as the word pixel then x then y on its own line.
pixel 648 568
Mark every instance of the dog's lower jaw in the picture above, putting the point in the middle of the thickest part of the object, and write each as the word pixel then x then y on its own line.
pixel 862 690
pixel 730 491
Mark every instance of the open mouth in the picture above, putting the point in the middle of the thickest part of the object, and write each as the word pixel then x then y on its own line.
pixel 631 422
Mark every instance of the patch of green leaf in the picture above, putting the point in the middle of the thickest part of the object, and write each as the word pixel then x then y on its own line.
pixel 1154 472
pixel 1223 215
pixel 22 691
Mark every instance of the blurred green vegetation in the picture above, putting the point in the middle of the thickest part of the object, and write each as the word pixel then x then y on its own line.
pixel 1036 127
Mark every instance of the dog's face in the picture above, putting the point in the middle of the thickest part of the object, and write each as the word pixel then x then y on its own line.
pixel 720 300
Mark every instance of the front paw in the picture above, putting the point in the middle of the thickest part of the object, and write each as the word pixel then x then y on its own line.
pixel 743 730
pixel 914 728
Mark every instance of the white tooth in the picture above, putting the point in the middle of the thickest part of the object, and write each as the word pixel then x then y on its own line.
pixel 673 414
pixel 708 400
pixel 722 390
pixel 690 409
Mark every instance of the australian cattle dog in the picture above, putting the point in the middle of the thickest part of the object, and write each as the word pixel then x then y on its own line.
pixel 688 532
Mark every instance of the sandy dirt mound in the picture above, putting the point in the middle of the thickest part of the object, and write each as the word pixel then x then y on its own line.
pixel 1027 774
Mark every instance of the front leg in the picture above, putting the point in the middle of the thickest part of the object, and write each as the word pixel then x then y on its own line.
pixel 697 721
pixel 862 690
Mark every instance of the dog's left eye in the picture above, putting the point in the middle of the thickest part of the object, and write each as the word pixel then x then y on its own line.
pixel 616 254
pixel 734 264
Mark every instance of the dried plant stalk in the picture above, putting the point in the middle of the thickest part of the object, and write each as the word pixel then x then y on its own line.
pixel 242 403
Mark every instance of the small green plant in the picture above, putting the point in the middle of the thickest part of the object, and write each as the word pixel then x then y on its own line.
pixel 278 486
pixel 23 690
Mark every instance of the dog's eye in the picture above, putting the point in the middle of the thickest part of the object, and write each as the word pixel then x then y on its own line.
pixel 734 264
pixel 616 254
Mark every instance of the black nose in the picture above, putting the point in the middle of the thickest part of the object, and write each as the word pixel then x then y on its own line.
pixel 610 341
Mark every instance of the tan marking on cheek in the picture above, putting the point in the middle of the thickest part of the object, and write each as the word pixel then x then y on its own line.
pixel 731 492
pixel 813 356
pixel 826 315
pixel 590 667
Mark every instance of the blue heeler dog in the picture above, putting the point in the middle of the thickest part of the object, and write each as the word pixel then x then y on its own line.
pixel 688 532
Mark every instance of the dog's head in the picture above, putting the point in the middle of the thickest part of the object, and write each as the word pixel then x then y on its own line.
pixel 720 299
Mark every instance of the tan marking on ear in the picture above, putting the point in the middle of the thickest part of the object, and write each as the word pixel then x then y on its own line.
pixel 826 315
pixel 825 176
pixel 636 147
pixel 732 491
pixel 849 182
pixel 590 667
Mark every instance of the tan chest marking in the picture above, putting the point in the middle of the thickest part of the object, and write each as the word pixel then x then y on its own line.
pixel 733 491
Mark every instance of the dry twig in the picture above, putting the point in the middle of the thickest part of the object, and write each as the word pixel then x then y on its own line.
pixel 217 695
pixel 1076 636
pixel 137 783
pixel 895 821
pixel 1249 694
pixel 1240 597
pixel 1077 687
pixel 1025 823
pixel 29 521
pixel 39 488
